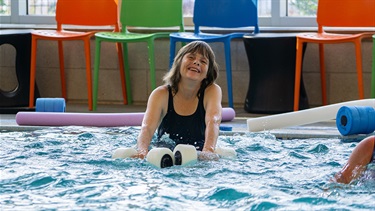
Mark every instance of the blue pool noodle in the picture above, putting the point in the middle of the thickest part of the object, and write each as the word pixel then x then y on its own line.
pixel 352 120
pixel 50 105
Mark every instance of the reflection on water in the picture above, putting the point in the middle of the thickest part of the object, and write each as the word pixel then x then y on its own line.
pixel 71 168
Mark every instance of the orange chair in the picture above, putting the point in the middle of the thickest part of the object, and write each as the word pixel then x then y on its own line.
pixel 343 13
pixel 83 13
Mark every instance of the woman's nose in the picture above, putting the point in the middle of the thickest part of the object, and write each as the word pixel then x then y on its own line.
pixel 196 62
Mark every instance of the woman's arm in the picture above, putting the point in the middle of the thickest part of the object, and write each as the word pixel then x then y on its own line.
pixel 357 162
pixel 212 103
pixel 156 108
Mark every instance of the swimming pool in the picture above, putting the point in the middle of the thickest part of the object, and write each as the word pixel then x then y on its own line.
pixel 70 168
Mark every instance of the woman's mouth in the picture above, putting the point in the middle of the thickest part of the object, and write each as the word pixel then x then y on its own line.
pixel 194 69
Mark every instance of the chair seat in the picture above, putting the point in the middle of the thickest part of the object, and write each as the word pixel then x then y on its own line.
pixel 204 36
pixel 329 37
pixel 119 36
pixel 60 34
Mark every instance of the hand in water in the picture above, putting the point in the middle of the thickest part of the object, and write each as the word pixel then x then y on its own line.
pixel 208 156
pixel 141 154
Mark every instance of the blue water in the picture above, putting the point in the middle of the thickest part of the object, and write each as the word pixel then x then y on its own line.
pixel 71 168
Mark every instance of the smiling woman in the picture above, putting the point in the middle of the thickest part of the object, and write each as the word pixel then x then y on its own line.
pixel 187 108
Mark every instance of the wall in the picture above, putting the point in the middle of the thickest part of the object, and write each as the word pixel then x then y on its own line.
pixel 340 65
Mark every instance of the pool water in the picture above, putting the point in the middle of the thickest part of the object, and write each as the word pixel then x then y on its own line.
pixel 70 168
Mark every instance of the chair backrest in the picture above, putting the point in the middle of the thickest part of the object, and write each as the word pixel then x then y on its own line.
pixel 87 12
pixel 152 13
pixel 346 13
pixel 226 14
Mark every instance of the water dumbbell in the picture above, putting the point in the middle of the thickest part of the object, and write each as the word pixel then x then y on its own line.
pixel 352 120
pixel 182 155
pixel 185 155
pixel 160 157
pixel 50 105
pixel 163 157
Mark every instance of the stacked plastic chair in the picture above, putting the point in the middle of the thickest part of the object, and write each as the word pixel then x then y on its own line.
pixel 222 14
pixel 343 13
pixel 82 13
pixel 140 13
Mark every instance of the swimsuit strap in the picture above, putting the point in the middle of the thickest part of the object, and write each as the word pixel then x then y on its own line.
pixel 170 99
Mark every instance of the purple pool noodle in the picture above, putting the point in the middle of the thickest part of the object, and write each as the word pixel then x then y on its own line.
pixel 79 119
pixel 91 119
pixel 227 114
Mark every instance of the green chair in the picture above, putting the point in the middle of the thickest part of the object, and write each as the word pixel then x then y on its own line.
pixel 373 68
pixel 140 13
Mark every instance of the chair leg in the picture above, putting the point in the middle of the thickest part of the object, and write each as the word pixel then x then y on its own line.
pixel 373 68
pixel 88 71
pixel 122 72
pixel 62 68
pixel 228 64
pixel 323 74
pixel 151 60
pixel 358 53
pixel 96 73
pixel 172 51
pixel 127 73
pixel 297 79
pixel 32 71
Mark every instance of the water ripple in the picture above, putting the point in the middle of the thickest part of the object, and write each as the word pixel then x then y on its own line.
pixel 70 168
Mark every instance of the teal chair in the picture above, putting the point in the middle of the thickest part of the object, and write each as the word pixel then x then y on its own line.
pixel 373 68
pixel 140 13
pixel 224 14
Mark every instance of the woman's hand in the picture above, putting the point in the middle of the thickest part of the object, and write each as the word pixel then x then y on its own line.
pixel 141 154
pixel 205 155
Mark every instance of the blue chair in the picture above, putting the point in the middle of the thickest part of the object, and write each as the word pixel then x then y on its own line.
pixel 219 14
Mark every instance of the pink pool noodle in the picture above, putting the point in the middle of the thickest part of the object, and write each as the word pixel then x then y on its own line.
pixel 91 119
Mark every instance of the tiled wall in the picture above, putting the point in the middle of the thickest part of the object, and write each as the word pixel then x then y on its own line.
pixel 340 65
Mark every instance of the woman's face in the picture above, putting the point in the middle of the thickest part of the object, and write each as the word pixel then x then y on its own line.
pixel 194 66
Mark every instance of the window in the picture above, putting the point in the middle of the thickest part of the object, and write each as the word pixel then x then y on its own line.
pixel 298 8
pixel 27 11
pixel 4 7
pixel 272 13
pixel 41 7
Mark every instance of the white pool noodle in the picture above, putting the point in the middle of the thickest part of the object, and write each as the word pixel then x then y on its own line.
pixel 302 117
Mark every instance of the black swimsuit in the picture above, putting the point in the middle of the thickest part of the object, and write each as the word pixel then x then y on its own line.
pixel 184 129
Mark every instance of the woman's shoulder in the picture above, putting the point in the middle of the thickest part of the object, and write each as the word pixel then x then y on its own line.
pixel 213 88
pixel 212 95
pixel 160 91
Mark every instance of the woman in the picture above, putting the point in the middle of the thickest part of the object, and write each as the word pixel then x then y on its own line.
pixel 188 106
pixel 363 154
